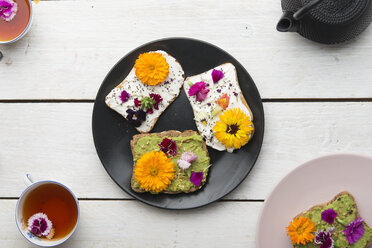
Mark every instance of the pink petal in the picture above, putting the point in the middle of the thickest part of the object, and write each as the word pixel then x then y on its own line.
pixel 196 88
pixel 183 164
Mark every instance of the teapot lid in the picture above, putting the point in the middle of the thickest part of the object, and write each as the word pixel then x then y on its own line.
pixel 337 11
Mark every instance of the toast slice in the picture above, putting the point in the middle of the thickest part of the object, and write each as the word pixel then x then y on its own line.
pixel 186 141
pixel 346 208
pixel 204 116
pixel 169 90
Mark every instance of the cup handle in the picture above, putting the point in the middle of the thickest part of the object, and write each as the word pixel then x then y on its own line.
pixel 28 180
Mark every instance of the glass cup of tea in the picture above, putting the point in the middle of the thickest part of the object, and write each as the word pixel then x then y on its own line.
pixel 47 212
pixel 15 19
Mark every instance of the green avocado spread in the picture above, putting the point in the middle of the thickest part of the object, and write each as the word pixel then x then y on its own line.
pixel 193 143
pixel 345 208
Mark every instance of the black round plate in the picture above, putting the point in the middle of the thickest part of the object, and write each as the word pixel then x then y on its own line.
pixel 112 133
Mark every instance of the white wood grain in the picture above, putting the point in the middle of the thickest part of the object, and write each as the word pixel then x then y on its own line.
pixel 54 141
pixel 73 44
pixel 132 224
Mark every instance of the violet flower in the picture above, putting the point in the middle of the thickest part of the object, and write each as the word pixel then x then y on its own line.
pixel 158 99
pixel 39 224
pixel 329 216
pixel 189 156
pixel 8 9
pixel 354 231
pixel 124 96
pixel 136 117
pixel 324 239
pixel 183 164
pixel 168 146
pixel 137 102
pixel 199 90
pixel 217 75
pixel 196 178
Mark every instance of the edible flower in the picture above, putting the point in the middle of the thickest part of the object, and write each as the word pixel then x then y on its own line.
pixel 234 128
pixel 202 116
pixel 189 156
pixel 186 159
pixel 196 178
pixel 137 102
pixel 154 171
pixel 151 68
pixel 217 75
pixel 183 164
pixel 136 117
pixel 324 239
pixel 39 225
pixel 8 9
pixel 354 231
pixel 329 215
pixel 199 90
pixel 124 96
pixel 301 230
pixel 168 146
pixel 158 99
pixel 223 101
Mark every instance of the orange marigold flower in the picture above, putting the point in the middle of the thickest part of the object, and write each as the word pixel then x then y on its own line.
pixel 154 171
pixel 301 230
pixel 151 68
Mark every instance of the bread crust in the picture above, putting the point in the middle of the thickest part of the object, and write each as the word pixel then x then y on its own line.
pixel 170 133
pixel 170 102
pixel 335 199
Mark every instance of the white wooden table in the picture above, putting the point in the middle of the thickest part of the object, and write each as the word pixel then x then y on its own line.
pixel 317 100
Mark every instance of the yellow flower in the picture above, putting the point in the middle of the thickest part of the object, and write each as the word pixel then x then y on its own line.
pixel 233 129
pixel 151 68
pixel 154 171
pixel 301 230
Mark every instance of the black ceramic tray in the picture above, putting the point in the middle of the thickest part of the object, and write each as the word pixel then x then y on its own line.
pixel 112 133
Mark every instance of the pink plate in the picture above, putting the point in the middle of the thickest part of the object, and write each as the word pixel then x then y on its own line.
pixel 312 183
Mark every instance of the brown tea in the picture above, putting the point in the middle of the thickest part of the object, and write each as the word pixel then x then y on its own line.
pixel 9 30
pixel 57 203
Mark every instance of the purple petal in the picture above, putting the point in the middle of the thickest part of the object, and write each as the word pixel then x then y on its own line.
pixel 196 178
pixel 327 244
pixel 329 215
pixel 201 95
pixel 156 97
pixel 354 231
pixel 124 96
pixel 150 111
pixel 43 225
pixel 8 9
pixel 39 224
pixel 168 146
pixel 217 75
pixel 137 102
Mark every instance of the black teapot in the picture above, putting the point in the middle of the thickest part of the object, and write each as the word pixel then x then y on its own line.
pixel 326 21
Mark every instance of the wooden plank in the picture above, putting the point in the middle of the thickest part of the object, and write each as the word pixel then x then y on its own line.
pixel 132 224
pixel 54 141
pixel 73 44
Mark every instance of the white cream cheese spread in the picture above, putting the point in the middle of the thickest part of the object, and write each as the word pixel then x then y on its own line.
pixel 203 111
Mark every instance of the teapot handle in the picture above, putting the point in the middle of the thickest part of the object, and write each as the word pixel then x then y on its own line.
pixel 301 12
